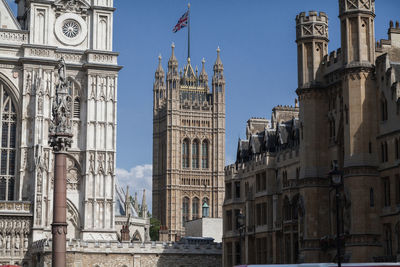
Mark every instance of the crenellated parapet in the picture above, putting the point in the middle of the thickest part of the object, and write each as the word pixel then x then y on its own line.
pixel 313 25
pixel 355 6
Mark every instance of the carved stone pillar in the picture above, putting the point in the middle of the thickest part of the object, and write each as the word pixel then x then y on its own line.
pixel 60 139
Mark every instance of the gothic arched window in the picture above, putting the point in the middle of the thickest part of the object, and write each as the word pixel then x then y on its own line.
pixel 204 154
pixel 195 208
pixel 185 210
pixel 8 118
pixel 76 99
pixel 185 153
pixel 195 154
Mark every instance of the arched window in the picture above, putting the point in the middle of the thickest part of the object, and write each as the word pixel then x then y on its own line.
pixel 8 118
pixel 195 154
pixel 185 153
pixel 185 210
pixel 75 96
pixel 195 208
pixel 204 154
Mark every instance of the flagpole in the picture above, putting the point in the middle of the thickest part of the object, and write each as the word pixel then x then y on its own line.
pixel 188 30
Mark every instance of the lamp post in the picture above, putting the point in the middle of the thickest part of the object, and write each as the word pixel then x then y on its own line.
pixel 336 181
pixel 241 224
pixel 60 138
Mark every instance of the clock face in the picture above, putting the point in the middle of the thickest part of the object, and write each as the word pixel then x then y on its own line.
pixel 70 29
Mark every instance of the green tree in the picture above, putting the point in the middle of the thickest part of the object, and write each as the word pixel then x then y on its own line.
pixel 154 228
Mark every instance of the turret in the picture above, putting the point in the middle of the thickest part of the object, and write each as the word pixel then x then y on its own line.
pixel 136 203
pixel 357 31
pixel 159 85
pixel 172 74
pixel 312 45
pixel 203 77
pixel 218 80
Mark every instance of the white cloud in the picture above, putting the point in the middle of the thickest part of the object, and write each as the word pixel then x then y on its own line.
pixel 138 178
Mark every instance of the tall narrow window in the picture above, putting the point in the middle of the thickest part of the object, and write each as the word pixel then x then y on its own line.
pixel 204 154
pixel 386 191
pixel 195 208
pixel 185 210
pixel 397 181
pixel 195 154
pixel 387 239
pixel 77 108
pixel 396 148
pixel 185 153
pixel 8 118
pixel 371 197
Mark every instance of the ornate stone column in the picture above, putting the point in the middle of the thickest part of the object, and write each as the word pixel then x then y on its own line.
pixel 60 138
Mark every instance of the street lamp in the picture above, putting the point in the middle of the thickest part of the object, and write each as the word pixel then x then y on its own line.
pixel 337 181
pixel 240 220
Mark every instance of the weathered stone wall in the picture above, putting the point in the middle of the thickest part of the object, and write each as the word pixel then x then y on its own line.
pixel 136 260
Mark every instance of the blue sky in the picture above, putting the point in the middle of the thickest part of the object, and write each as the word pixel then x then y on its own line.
pixel 258 49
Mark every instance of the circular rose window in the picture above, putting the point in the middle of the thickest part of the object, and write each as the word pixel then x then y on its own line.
pixel 70 28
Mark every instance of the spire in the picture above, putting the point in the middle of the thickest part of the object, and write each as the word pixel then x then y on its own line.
pixel 218 63
pixel 144 204
pixel 172 65
pixel 159 75
pixel 136 204
pixel 173 58
pixel 203 77
pixel 127 202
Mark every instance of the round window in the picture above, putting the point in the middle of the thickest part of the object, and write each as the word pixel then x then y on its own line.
pixel 70 28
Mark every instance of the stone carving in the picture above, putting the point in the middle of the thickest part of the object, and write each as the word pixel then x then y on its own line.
pixel 60 126
pixel 74 6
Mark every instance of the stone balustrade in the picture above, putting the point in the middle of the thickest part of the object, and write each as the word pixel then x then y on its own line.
pixel 13 37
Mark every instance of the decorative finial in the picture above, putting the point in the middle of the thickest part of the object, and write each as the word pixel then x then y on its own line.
pixel 159 57
pixel 188 5
pixel 218 50
pixel 203 61
pixel 397 24
pixel 391 24
pixel 173 45
pixel 188 60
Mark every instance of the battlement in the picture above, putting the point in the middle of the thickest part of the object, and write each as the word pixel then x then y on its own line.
pixel 285 108
pixel 102 246
pixel 351 6
pixel 333 61
pixel 313 25
pixel 312 16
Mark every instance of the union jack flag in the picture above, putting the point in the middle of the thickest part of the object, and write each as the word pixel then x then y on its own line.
pixel 182 22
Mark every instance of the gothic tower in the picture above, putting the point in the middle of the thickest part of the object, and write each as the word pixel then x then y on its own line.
pixel 312 46
pixel 188 145
pixel 360 161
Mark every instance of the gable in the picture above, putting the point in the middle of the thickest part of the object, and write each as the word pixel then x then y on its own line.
pixel 7 18
pixel 75 6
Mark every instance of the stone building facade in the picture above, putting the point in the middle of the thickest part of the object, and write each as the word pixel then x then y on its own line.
pixel 31 44
pixel 349 113
pixel 188 145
